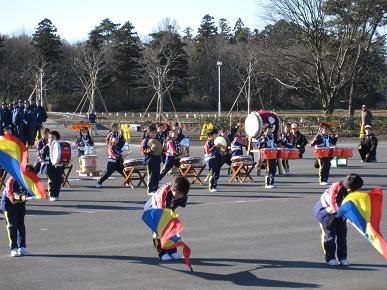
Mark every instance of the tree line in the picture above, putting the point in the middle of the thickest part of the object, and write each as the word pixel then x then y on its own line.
pixel 315 54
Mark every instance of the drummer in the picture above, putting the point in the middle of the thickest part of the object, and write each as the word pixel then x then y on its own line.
pixel 268 141
pixel 83 140
pixel 162 135
pixel 39 149
pixel 152 162
pixel 324 140
pixel 173 155
pixel 287 141
pixel 226 154
pixel 213 159
pixel 115 161
pixel 116 132
pixel 54 172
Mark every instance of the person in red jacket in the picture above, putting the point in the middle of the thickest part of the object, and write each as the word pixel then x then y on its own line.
pixel 173 154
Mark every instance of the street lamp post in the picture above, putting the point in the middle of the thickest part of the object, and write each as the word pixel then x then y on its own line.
pixel 219 64
pixel 41 87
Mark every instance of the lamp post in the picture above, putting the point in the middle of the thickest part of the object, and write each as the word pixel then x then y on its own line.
pixel 219 64
pixel 41 87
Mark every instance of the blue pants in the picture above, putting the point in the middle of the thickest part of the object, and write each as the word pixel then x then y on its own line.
pixel 14 221
pixel 170 161
pixel 55 177
pixel 270 171
pixel 324 168
pixel 152 164
pixel 214 165
pixel 111 167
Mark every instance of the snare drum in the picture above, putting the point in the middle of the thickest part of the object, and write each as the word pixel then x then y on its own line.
pixel 88 163
pixel 61 152
pixel 321 152
pixel 269 153
pixel 133 162
pixel 293 154
pixel 191 160
pixel 335 152
pixel 282 153
pixel 346 152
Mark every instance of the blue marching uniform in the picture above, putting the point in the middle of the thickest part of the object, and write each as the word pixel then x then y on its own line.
pixel 54 173
pixel 268 142
pixel 30 121
pixel 152 164
pixel 333 230
pixel 162 137
pixel 18 123
pixel 39 150
pixel 82 141
pixel 213 161
pixel 14 211
pixel 172 157
pixel 324 141
pixel 287 141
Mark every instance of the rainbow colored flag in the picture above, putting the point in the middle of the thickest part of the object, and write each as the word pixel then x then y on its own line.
pixel 364 211
pixel 166 224
pixel 14 158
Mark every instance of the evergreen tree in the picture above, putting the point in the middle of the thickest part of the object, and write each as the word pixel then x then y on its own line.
pixel 46 43
pixel 102 34
pixel 241 33
pixel 127 56
pixel 187 34
pixel 207 28
pixel 224 28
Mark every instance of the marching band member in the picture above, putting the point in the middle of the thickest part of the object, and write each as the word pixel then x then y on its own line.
pixel 116 132
pixel 226 156
pixel 287 141
pixel 39 150
pixel 324 140
pixel 170 195
pixel 213 159
pixel 54 172
pixel 13 204
pixel 162 135
pixel 268 141
pixel 151 161
pixel 83 140
pixel 173 154
pixel 299 140
pixel 115 161
pixel 334 230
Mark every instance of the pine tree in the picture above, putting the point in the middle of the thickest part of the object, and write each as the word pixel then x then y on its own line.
pixel 102 34
pixel 46 43
pixel 187 34
pixel 224 28
pixel 207 28
pixel 241 33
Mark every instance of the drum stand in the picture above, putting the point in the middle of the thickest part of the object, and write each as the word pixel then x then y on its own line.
pixel 192 170
pixel 66 173
pixel 241 169
pixel 129 172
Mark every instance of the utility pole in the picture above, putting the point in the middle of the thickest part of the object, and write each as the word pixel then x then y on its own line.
pixel 219 64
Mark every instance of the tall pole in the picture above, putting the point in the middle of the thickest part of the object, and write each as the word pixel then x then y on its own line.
pixel 41 87
pixel 249 90
pixel 219 64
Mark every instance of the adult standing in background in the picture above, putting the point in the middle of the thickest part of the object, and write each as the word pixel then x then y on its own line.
pixel 299 140
pixel 18 120
pixel 30 121
pixel 41 116
pixel 366 119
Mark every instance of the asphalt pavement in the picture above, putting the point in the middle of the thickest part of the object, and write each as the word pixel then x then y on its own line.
pixel 243 236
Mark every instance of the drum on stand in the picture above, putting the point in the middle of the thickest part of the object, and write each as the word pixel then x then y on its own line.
pixel 61 152
pixel 335 152
pixel 254 123
pixel 282 153
pixel 245 159
pixel 133 162
pixel 88 163
pixel 322 152
pixel 191 160
pixel 346 152
pixel 293 154
pixel 269 154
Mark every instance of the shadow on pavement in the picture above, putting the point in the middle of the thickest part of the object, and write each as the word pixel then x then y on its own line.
pixel 242 278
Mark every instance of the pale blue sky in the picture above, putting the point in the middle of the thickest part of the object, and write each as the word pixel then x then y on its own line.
pixel 75 18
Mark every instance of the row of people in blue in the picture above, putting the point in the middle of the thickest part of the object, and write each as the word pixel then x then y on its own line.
pixel 24 118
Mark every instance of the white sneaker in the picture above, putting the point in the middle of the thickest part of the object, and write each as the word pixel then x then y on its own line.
pixel 269 186
pixel 175 256
pixel 344 262
pixel 53 198
pixel 98 185
pixel 166 257
pixel 323 183
pixel 332 262
pixel 213 190
pixel 15 253
pixel 23 252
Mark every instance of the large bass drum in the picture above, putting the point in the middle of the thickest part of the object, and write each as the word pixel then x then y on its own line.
pixel 255 121
pixel 61 152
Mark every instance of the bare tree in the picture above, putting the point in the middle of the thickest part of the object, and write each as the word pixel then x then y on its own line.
pixel 328 48
pixel 89 67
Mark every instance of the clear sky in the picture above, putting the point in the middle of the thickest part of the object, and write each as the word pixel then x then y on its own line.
pixel 75 18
